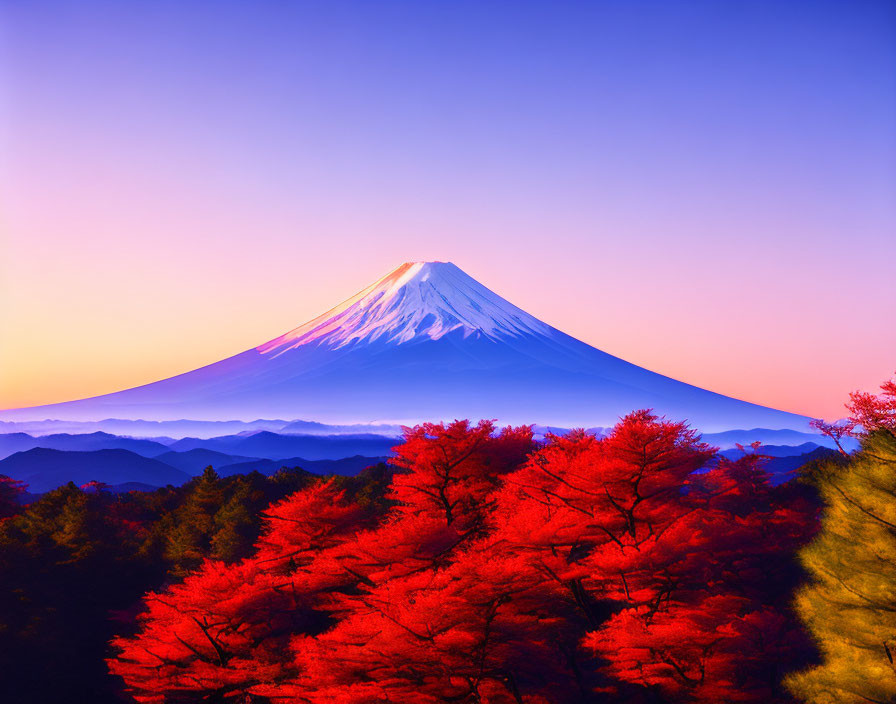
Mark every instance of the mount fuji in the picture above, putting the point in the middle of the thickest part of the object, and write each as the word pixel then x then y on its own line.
pixel 425 342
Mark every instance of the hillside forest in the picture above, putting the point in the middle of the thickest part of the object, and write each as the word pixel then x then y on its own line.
pixel 479 565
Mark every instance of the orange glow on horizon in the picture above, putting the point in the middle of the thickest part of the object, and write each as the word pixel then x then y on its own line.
pixel 180 185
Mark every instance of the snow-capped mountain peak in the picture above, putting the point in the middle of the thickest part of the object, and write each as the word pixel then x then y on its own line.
pixel 415 301
pixel 425 342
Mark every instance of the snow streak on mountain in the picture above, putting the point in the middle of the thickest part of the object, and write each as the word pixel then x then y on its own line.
pixel 425 342
pixel 416 301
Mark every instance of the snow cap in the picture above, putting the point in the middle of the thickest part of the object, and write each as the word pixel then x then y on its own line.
pixel 414 301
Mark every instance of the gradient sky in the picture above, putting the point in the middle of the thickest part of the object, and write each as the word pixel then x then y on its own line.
pixel 703 188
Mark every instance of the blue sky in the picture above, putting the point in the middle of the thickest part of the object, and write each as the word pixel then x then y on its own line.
pixel 703 188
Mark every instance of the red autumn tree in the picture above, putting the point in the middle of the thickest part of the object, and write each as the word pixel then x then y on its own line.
pixel 443 496
pixel 874 411
pixel 585 509
pixel 413 629
pixel 630 522
pixel 593 517
pixel 10 492
pixel 708 618
pixel 223 632
pixel 451 471
pixel 869 413
pixel 505 572
pixel 478 629
pixel 226 628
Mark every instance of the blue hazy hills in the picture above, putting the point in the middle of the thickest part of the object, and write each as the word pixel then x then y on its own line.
pixel 47 461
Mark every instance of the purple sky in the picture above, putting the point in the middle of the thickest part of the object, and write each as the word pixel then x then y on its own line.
pixel 705 189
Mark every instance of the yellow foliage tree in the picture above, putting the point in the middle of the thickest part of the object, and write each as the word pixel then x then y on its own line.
pixel 849 605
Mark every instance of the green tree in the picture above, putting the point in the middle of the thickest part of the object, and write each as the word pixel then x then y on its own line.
pixel 849 605
pixel 235 523
pixel 189 530
pixel 68 564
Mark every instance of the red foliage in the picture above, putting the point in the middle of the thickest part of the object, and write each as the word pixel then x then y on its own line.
pixel 874 412
pixel 868 413
pixel 708 618
pixel 506 572
pixel 452 470
pixel 227 627
pixel 10 491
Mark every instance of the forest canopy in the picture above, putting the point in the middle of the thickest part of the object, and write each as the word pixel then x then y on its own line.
pixel 631 567
pixel 480 565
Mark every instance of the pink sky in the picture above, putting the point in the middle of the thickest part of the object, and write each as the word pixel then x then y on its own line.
pixel 725 220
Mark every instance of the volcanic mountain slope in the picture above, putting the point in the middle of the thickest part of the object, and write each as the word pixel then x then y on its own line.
pixel 424 342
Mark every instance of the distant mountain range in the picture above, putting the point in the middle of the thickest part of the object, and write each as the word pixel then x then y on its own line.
pixel 195 460
pixel 45 462
pixel 729 438
pixel 320 445
pixel 425 342
pixel 240 447
pixel 17 442
pixel 782 466
pixel 776 451
pixel 347 466
pixel 44 469
pixel 274 446
pixel 167 429
pixel 48 461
